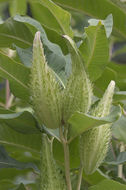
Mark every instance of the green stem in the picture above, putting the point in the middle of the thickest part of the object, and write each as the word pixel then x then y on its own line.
pixel 66 159
pixel 79 178
pixel 120 167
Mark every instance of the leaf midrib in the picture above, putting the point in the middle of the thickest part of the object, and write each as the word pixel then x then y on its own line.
pixel 93 47
pixel 11 76
pixel 17 38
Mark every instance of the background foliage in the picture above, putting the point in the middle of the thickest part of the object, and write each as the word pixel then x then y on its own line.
pixel 102 45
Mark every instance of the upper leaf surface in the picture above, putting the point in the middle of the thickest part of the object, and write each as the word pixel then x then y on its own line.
pixel 95 50
pixel 12 32
pixel 57 19
pixel 17 74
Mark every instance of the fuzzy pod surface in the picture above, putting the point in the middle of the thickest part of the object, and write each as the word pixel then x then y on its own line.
pixel 95 142
pixel 51 176
pixel 78 92
pixel 45 90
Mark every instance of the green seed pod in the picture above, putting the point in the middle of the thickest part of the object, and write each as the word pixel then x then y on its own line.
pixel 94 143
pixel 51 176
pixel 77 95
pixel 45 89
pixel 78 92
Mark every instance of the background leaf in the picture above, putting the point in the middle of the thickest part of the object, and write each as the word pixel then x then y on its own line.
pixel 17 74
pixel 12 32
pixel 95 51
pixel 121 159
pixel 109 185
pixel 23 122
pixel 54 55
pixel 7 162
pixel 6 184
pixel 11 138
pixel 21 187
pixel 58 19
pixel 17 7
pixel 99 9
pixel 119 129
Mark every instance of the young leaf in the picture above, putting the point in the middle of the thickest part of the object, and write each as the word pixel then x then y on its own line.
pixel 95 51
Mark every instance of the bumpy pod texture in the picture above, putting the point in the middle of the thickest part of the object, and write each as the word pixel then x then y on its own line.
pixel 78 92
pixel 44 88
pixel 51 176
pixel 94 143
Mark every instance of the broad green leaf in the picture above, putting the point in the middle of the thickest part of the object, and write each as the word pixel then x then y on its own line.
pixel 11 138
pixel 12 32
pixel 17 7
pixel 81 122
pixel 17 74
pixel 99 9
pixel 120 95
pixel 22 122
pixel 34 26
pixel 57 19
pixel 21 187
pixel 6 184
pixel 95 178
pixel 53 52
pixel 8 162
pixel 120 70
pixel 119 129
pixel 25 55
pixel 108 185
pixel 121 159
pixel 101 83
pixel 95 50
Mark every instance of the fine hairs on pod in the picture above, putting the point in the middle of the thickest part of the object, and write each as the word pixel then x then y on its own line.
pixel 51 176
pixel 77 95
pixel 94 143
pixel 45 90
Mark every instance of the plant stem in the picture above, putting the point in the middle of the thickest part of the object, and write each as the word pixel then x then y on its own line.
pixel 79 178
pixel 9 96
pixel 7 93
pixel 66 159
pixel 120 167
